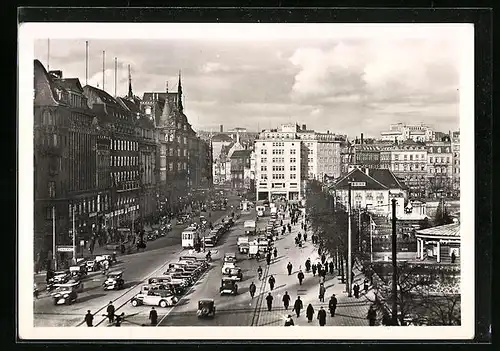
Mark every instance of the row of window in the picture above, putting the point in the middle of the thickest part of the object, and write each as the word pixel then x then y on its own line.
pixel 124 161
pixel 124 145
pixel 180 140
pixel 125 176
pixel 433 149
pixel 278 152
pixel 278 168
pixel 181 166
pixel 439 160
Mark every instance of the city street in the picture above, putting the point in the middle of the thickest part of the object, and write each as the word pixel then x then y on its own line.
pixel 137 267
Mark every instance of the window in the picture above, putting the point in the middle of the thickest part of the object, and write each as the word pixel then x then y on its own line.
pixel 52 189
pixel 405 157
pixel 263 151
pixel 293 168
pixel 185 140
pixel 430 159
pixel 263 159
pixel 293 160
pixel 178 152
pixel 263 176
pixel 171 166
pixel 263 168
pixel 293 176
pixel 411 157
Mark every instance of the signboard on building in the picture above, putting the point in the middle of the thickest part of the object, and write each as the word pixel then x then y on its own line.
pixel 65 249
pixel 358 184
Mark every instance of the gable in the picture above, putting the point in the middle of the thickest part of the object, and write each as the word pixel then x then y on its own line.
pixel 360 181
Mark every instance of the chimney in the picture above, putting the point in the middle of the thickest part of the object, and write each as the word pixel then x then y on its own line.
pixel 56 74
pixel 304 127
pixel 222 128
pixel 361 138
pixel 327 132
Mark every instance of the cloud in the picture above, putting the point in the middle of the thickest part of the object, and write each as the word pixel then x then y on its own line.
pixel 345 86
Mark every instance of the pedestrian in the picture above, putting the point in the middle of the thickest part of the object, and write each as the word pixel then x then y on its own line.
pixel 325 270
pixel 371 316
pixel 300 276
pixel 302 225
pixel 309 313
pixel 322 291
pixel 111 312
pixel 332 305
pixel 289 267
pixel 268 258
pixel 365 285
pixel 330 265
pixel 153 316
pixel 289 228
pixel 297 306
pixel 289 321
pixel 352 276
pixel 275 253
pixel 283 230
pixel 281 223
pixel 299 236
pixel 321 278
pixel 286 300
pixel 323 258
pixel 269 300
pixel 319 267
pixel 305 236
pixel 271 281
pixel 453 257
pixel 308 265
pixel 314 267
pixel 259 270
pixel 252 289
pixel 89 318
pixel 119 319
pixel 355 289
pixel 322 317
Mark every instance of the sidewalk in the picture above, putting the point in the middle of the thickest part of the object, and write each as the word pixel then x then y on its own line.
pixel 350 311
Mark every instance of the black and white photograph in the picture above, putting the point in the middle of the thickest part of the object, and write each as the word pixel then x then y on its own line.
pixel 246 175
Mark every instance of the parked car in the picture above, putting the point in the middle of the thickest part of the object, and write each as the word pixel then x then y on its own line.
pixel 154 298
pixel 114 281
pixel 228 286
pixel 65 294
pixel 206 308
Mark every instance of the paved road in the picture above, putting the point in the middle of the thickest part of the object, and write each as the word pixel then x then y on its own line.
pixel 137 267
pixel 231 310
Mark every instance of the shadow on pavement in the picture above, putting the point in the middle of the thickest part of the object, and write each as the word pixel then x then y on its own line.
pixel 89 297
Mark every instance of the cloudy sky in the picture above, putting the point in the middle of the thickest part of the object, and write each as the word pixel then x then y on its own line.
pixel 345 85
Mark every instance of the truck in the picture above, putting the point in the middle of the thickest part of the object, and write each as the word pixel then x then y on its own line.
pixel 244 244
pixel 249 227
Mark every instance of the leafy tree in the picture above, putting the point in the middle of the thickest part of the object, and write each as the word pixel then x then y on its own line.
pixel 442 216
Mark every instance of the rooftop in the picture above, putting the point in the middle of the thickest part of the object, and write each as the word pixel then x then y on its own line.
pixel 449 230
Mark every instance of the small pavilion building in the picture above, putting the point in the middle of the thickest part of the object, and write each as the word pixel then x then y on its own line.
pixel 438 243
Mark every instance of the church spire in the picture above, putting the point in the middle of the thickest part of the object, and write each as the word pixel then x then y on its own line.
pixel 179 94
pixel 130 94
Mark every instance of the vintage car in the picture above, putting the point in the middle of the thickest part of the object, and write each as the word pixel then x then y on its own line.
pixel 206 308
pixel 75 283
pixel 114 281
pixel 154 298
pixel 65 294
pixel 229 257
pixel 187 268
pixel 210 241
pixel 60 277
pixel 151 236
pixel 79 271
pixel 227 266
pixel 200 259
pixel 228 286
pixel 179 278
pixel 233 273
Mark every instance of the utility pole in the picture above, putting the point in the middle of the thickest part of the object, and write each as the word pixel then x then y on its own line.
pixel 394 267
pixel 359 229
pixel 54 256
pixel 349 247
pixel 371 239
pixel 74 235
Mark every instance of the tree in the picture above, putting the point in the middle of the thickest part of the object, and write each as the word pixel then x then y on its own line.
pixel 442 216
pixel 427 294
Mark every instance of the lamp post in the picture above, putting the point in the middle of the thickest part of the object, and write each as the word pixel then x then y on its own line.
pixel 394 267
pixel 74 234
pixel 349 246
pixel 54 256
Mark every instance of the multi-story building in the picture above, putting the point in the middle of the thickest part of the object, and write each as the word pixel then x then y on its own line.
pixel 279 166
pixel 439 168
pixel 401 132
pixel 66 172
pixel 124 155
pixel 200 163
pixel 240 169
pixel 346 156
pixel 371 189
pixel 455 148
pixel 408 161
pixel 328 156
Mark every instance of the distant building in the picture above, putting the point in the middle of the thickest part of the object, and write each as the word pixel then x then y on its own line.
pixel 440 168
pixel 455 148
pixel 408 161
pixel 240 169
pixel 401 132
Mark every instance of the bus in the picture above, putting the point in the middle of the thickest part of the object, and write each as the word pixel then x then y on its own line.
pixel 189 237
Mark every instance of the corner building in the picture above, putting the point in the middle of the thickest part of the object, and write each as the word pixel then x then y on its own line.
pixel 279 170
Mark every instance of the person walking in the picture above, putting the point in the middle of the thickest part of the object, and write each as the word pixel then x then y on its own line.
pixel 153 316
pixel 299 236
pixel 314 267
pixel 330 265
pixel 297 306
pixel 289 228
pixel 111 312
pixel 308 265
pixel 355 289
pixel 89 318
pixel 371 316
pixel 286 300
pixel 269 300
pixel 309 313
pixel 319 267
pixel 300 277
pixel 323 259
pixel 332 305
pixel 271 281
pixel 322 317
pixel 289 321
pixel 289 267
pixel 281 223
pixel 305 236
pixel 252 289
pixel 302 225
pixel 275 253
pixel 268 258
pixel 322 291
pixel 259 272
